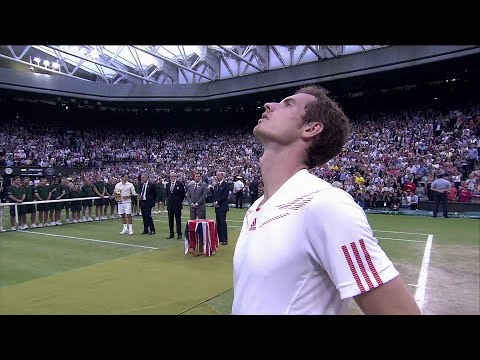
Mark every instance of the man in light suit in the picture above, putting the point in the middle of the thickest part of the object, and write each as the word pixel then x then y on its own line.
pixel 196 195
pixel 220 202
pixel 148 195
pixel 175 195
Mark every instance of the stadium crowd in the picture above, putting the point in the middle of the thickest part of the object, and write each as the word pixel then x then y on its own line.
pixel 390 160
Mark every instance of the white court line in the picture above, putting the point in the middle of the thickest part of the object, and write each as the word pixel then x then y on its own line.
pixel 419 241
pixel 422 278
pixel 79 238
pixel 400 232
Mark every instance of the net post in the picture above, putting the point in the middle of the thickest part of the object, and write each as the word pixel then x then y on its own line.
pixel 16 217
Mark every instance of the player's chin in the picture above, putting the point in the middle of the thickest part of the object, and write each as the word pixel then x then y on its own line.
pixel 258 129
pixel 258 132
pixel 262 129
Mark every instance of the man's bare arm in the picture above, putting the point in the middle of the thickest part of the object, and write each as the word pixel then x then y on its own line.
pixel 392 298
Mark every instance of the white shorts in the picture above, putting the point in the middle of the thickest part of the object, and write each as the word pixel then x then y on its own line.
pixel 125 208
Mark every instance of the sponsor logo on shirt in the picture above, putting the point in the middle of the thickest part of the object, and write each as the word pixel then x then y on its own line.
pixel 253 226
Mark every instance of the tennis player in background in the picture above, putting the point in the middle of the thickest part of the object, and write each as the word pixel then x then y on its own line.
pixel 124 190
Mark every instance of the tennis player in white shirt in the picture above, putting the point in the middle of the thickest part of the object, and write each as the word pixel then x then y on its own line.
pixel 123 191
pixel 306 247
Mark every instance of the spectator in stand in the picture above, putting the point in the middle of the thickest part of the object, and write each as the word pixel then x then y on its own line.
pixel 464 195
pixel 412 200
pixel 396 201
pixel 452 194
pixel 381 146
pixel 456 178
pixel 472 157
pixel 421 191
pixel 405 203
pixel 409 186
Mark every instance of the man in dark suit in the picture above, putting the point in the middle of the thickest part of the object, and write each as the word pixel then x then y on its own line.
pixel 253 187
pixel 175 195
pixel 148 195
pixel 196 195
pixel 220 202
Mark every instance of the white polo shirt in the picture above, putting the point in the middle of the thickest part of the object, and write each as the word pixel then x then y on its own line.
pixel 307 250
pixel 238 185
pixel 126 189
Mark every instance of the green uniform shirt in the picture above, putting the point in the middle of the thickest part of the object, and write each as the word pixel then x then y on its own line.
pixel 16 192
pixel 67 192
pixel 29 190
pixel 100 185
pixel 138 188
pixel 76 194
pixel 56 190
pixel 110 188
pixel 42 191
pixel 88 191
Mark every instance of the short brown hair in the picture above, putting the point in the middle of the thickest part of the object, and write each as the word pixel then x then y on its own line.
pixel 336 126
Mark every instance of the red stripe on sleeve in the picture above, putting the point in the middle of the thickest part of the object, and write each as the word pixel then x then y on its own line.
pixel 370 263
pixel 352 269
pixel 360 265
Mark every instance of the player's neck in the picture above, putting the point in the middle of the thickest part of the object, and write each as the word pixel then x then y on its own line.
pixel 277 167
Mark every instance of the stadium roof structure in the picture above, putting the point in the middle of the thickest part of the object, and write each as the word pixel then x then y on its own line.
pixel 165 64
pixel 180 73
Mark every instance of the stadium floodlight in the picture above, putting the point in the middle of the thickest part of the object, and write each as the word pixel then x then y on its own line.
pixel 74 48
pixel 82 51
pixel 55 65
pixel 37 60
pixel 46 63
